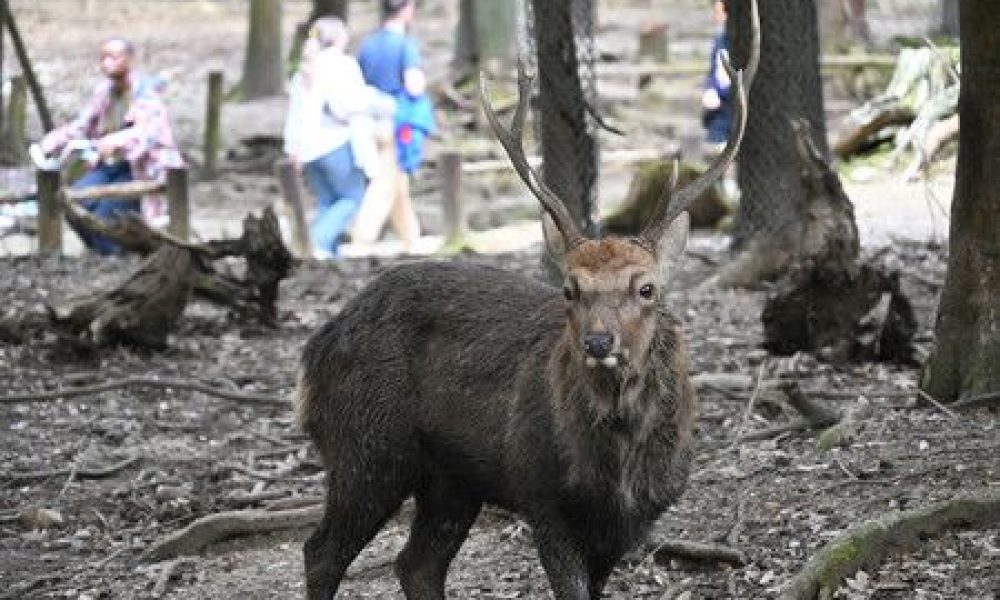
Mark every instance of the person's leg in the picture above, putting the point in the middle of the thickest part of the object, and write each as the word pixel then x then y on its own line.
pixel 105 209
pixel 402 215
pixel 319 181
pixel 349 184
pixel 343 186
pixel 380 195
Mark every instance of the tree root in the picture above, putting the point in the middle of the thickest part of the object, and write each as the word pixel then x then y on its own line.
pixel 873 540
pixel 175 384
pixel 220 526
pixel 77 472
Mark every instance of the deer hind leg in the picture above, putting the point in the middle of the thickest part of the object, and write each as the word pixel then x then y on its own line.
pixel 360 499
pixel 444 514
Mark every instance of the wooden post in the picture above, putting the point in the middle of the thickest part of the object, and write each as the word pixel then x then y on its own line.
pixel 178 207
pixel 15 138
pixel 450 173
pixel 288 179
pixel 653 43
pixel 212 124
pixel 50 213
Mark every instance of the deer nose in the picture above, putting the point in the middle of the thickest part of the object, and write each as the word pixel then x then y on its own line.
pixel 598 344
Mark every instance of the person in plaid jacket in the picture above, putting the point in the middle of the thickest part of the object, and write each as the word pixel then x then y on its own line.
pixel 127 122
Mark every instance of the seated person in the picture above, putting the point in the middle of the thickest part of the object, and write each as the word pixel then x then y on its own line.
pixel 126 121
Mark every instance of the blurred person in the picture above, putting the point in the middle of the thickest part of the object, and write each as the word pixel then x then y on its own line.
pixel 390 61
pixel 127 123
pixel 330 133
pixel 716 103
pixel 716 100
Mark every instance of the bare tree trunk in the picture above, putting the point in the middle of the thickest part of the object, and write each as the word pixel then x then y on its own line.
pixel 485 33
pixel 949 18
pixel 787 87
pixel 569 151
pixel 967 350
pixel 262 71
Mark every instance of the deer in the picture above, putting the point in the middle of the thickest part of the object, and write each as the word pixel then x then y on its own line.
pixel 461 385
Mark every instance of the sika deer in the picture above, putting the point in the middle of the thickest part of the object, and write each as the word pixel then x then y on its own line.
pixel 462 385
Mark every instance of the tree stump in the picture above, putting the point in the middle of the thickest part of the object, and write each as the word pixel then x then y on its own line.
pixel 144 309
pixel 141 311
pixel 647 189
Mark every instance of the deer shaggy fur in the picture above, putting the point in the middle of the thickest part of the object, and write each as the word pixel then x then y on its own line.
pixel 462 385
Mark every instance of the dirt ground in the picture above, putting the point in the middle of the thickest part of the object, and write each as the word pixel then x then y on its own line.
pixel 68 530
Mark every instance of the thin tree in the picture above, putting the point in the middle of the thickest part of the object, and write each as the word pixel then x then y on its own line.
pixel 966 357
pixel 262 71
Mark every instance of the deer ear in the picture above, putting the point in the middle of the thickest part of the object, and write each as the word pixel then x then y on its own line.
pixel 671 246
pixel 554 241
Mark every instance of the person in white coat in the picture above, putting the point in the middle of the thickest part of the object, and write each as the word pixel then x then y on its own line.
pixel 329 131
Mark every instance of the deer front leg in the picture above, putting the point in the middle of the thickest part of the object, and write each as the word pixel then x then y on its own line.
pixel 564 560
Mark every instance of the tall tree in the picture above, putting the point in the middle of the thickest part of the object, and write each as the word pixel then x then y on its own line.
pixel 966 357
pixel 484 32
pixel 949 18
pixel 262 72
pixel 787 86
pixel 569 150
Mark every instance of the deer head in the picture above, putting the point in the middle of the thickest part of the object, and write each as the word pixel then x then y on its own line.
pixel 614 287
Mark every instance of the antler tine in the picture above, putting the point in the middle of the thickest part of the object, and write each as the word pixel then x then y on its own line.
pixel 513 143
pixel 669 208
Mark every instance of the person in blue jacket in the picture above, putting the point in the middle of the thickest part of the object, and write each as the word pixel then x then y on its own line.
pixel 390 62
pixel 715 100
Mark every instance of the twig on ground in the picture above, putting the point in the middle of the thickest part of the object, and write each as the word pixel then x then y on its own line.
pixel 870 542
pixel 698 551
pixel 220 526
pixel 77 472
pixel 165 383
pixel 941 407
pixel 167 572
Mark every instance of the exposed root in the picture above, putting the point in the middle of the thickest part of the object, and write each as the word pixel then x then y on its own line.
pixel 221 526
pixel 77 472
pixel 176 384
pixel 872 541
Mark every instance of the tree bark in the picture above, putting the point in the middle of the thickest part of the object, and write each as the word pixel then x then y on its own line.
pixel 949 18
pixel 966 356
pixel 788 86
pixel 262 70
pixel 569 152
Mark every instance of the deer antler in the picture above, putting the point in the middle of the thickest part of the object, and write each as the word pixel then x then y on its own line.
pixel 669 208
pixel 512 141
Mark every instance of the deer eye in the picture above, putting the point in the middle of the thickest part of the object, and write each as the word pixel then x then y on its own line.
pixel 646 291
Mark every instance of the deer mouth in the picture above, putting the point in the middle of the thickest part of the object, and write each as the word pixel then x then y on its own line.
pixel 616 360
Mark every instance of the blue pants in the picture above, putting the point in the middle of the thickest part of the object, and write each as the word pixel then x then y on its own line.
pixel 106 209
pixel 339 186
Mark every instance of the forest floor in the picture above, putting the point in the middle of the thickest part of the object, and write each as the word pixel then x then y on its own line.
pixel 69 530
